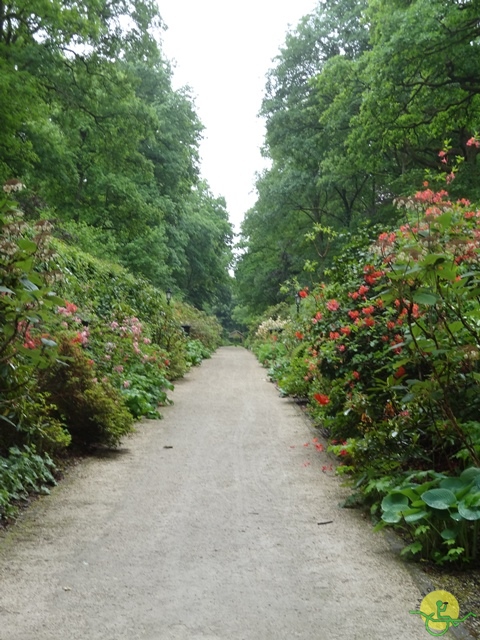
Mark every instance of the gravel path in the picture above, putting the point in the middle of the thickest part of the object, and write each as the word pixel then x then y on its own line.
pixel 205 526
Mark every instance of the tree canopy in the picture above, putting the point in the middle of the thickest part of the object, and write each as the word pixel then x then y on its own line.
pixel 105 145
pixel 363 99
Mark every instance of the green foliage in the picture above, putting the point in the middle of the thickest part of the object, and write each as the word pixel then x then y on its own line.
pixel 292 373
pixel 23 472
pixel 196 352
pixel 269 352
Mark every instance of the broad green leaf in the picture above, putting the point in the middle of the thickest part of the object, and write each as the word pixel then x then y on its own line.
pixel 444 220
pixel 470 474
pixel 423 296
pixel 25 265
pixel 434 258
pixel 413 515
pixel 410 493
pixel 36 279
pixel 455 326
pixel 392 517
pixel 449 534
pixel 27 245
pixel 468 514
pixel 454 484
pixel 447 272
pixel 418 504
pixel 439 498
pixel 396 501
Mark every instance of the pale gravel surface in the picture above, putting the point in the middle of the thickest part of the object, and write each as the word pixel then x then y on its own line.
pixel 215 538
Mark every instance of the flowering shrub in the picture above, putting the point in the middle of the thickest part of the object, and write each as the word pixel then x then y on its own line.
pixel 126 356
pixel 92 409
pixel 27 305
pixel 270 326
pixel 391 346
pixel 77 366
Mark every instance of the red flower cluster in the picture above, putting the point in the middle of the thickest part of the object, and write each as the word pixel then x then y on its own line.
pixel 363 288
pixel 321 398
pixel 333 305
pixel 473 142
pixel 371 275
pixel 397 341
pixel 431 196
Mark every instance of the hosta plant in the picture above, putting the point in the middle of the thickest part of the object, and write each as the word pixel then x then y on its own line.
pixel 439 513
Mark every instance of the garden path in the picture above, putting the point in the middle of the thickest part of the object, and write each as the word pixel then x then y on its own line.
pixel 215 523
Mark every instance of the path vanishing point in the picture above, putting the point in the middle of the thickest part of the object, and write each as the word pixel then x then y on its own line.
pixel 215 523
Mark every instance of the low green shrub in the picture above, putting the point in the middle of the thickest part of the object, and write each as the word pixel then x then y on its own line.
pixel 143 394
pixel 269 352
pixel 195 352
pixel 92 409
pixel 23 472
pixel 292 373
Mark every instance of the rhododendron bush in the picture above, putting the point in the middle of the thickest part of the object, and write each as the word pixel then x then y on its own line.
pixel 390 344
pixel 85 348
pixel 387 353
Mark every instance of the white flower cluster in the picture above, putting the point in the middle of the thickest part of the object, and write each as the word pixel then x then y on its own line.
pixel 13 185
pixel 269 326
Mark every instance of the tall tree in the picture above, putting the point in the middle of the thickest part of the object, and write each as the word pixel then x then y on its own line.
pixel 307 186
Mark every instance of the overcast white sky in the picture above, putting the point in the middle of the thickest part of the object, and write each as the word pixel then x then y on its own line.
pixel 223 50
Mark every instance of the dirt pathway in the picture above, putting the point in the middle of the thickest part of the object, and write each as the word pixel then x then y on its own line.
pixel 205 526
